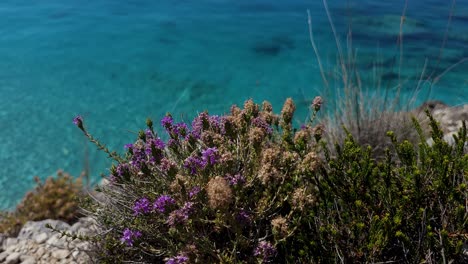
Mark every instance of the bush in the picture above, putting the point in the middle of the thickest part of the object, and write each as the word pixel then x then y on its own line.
pixel 248 187
pixel 56 198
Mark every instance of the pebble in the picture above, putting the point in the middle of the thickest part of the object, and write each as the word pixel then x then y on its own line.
pixel 13 258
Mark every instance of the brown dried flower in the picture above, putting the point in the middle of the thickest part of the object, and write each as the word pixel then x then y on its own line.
pixel 317 103
pixel 303 136
pixel 301 198
pixel 310 163
pixel 235 110
pixel 211 138
pixel 256 136
pixel 267 107
pixel 271 156
pixel 250 108
pixel 289 159
pixel 268 173
pixel 280 226
pixel 287 112
pixel 177 184
pixel 219 193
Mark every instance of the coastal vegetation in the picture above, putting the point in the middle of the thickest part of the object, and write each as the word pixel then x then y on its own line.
pixel 250 187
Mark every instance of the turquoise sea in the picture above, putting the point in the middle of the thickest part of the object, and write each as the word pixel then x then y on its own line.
pixel 117 62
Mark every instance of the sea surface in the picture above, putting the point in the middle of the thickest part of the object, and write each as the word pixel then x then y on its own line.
pixel 117 62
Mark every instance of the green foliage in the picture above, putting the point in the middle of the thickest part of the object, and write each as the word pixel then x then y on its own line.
pixel 56 198
pixel 248 187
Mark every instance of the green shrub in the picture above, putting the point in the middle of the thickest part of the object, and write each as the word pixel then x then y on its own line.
pixel 56 198
pixel 248 187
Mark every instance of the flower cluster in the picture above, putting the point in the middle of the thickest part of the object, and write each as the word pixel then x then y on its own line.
pixel 181 215
pixel 162 203
pixel 142 206
pixel 129 236
pixel 224 176
pixel 265 250
pixel 178 260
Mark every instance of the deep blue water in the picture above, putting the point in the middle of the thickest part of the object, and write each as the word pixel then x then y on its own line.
pixel 117 62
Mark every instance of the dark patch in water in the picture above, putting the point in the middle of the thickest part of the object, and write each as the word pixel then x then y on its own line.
pixel 463 19
pixel 388 63
pixel 389 76
pixel 59 15
pixel 274 46
pixel 168 25
pixel 269 49
pixel 422 36
pixel 202 89
pixel 165 40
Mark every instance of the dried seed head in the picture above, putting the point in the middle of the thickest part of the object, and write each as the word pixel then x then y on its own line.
pixel 317 103
pixel 256 136
pixel 268 174
pixel 219 193
pixel 303 136
pixel 271 156
pixel 318 131
pixel 211 138
pixel 289 159
pixel 288 111
pixel 235 110
pixel 177 184
pixel 267 107
pixel 250 108
pixel 280 226
pixel 310 163
pixel 301 198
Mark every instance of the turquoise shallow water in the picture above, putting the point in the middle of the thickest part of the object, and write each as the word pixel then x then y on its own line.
pixel 116 62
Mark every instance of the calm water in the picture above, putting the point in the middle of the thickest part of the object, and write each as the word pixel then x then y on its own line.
pixel 117 62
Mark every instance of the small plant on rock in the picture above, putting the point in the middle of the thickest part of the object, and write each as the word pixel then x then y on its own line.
pixel 56 198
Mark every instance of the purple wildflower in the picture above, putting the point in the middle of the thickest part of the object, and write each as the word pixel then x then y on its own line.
pixel 265 250
pixel 243 217
pixel 260 123
pixel 142 206
pixel 194 191
pixel 236 179
pixel 78 121
pixel 172 143
pixel 138 157
pixel 167 164
pixel 181 215
pixel 162 202
pixel 122 169
pixel 128 146
pixel 210 156
pixel 177 260
pixel 194 163
pixel 181 129
pixel 200 123
pixel 166 122
pixel 148 134
pixel 129 236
